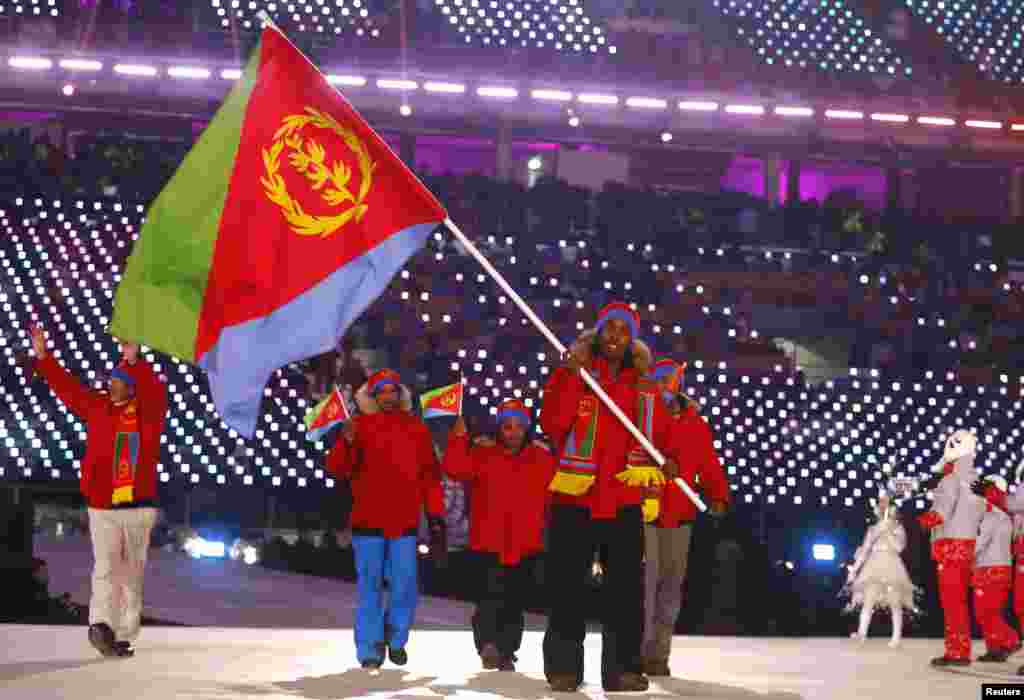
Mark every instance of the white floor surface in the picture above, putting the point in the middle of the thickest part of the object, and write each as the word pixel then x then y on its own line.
pixel 268 635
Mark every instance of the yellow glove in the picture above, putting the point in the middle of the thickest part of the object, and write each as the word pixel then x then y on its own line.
pixel 641 476
pixel 651 509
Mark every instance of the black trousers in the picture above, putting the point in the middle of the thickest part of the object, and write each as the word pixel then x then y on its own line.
pixel 500 614
pixel 573 537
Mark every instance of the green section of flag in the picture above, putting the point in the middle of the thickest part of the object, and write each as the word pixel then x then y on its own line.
pixel 586 447
pixel 170 264
pixel 429 396
pixel 315 412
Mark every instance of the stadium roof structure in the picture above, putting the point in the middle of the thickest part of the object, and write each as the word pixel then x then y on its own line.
pixel 81 88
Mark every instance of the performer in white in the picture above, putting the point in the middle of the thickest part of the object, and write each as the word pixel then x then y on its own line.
pixel 878 576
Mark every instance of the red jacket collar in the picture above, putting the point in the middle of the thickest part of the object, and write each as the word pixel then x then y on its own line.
pixel 604 373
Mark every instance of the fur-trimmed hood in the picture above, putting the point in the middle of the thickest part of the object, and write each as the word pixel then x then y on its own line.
pixel 367 404
pixel 643 358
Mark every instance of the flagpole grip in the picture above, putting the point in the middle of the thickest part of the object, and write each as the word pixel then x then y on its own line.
pixel 546 332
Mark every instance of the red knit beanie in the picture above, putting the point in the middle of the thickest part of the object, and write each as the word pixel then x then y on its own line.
pixel 622 312
pixel 514 408
pixel 378 380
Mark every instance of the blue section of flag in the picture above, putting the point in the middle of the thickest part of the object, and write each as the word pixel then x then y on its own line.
pixel 438 413
pixel 320 433
pixel 243 359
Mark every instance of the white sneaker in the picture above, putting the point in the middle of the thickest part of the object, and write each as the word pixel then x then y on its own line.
pixel 893 643
pixel 858 636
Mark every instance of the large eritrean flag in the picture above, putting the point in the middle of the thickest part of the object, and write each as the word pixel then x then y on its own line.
pixel 441 402
pixel 286 220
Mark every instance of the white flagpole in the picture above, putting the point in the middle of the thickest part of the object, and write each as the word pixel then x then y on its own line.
pixel 546 332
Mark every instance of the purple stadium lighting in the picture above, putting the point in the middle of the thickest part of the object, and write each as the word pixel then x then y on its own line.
pixel 551 95
pixel 78 64
pixel 497 92
pixel 347 80
pixel 754 110
pixel 646 103
pixel 188 72
pixel 30 63
pixel 445 88
pixel 597 99
pixel 135 70
pixel 936 121
pixel 404 85
pixel 698 106
pixel 847 114
pixel 890 118
pixel 794 112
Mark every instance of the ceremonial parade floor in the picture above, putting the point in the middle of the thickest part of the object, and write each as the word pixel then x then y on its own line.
pixel 268 635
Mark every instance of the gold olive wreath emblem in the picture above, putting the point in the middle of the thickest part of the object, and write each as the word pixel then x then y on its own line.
pixel 308 158
pixel 448 400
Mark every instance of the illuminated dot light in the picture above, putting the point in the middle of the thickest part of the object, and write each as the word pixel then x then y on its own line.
pixel 987 34
pixel 560 25
pixel 60 263
pixel 29 8
pixel 827 35
pixel 305 16
pixel 782 442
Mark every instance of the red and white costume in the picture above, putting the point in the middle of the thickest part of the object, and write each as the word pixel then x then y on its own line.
pixel 993 574
pixel 1017 550
pixel 954 520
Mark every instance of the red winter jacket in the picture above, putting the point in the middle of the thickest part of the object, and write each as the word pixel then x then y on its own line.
pixel 394 473
pixel 692 446
pixel 101 417
pixel 509 496
pixel 561 400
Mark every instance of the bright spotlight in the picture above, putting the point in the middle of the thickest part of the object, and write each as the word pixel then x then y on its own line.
pixel 824 552
pixel 198 548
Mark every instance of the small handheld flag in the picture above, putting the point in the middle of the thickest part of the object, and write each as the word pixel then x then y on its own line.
pixel 325 415
pixel 445 401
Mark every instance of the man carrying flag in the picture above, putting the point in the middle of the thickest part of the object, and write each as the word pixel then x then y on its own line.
pixel 285 221
pixel 597 499
pixel 388 455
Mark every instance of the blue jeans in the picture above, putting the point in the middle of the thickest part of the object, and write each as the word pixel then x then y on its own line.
pixel 378 558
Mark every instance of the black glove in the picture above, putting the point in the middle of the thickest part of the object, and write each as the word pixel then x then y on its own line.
pixel 978 488
pixel 438 541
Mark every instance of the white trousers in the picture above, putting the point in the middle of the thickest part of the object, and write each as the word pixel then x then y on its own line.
pixel 120 544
